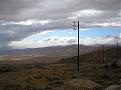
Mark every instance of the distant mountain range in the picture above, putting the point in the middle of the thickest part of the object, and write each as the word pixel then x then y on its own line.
pixel 41 55
pixel 52 54
pixel 54 51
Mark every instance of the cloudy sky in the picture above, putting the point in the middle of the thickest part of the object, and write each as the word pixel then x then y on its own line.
pixel 40 23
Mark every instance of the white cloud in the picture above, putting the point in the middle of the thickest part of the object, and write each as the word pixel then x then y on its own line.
pixel 70 32
pixel 108 24
pixel 54 41
pixel 101 40
pixel 120 13
pixel 45 32
pixel 85 13
pixel 120 35
pixel 83 29
pixel 28 22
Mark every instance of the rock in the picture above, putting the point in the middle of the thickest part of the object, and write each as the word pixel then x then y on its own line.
pixel 115 64
pixel 82 83
pixel 114 87
pixel 119 63
pixel 117 86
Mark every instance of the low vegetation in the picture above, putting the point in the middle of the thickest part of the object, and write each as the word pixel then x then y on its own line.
pixel 58 76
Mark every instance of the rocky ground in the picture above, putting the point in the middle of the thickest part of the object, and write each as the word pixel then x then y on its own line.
pixel 59 77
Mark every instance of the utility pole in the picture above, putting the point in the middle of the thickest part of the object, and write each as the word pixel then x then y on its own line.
pixel 117 52
pixel 78 42
pixel 103 54
pixel 117 57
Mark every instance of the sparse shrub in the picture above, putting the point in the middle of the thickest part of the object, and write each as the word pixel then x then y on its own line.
pixel 40 89
pixel 97 88
pixel 74 77
pixel 37 77
pixel 43 67
pixel 106 66
pixel 5 70
pixel 104 76
pixel 55 81
pixel 59 82
pixel 114 64
pixel 28 80
pixel 29 67
pixel 48 88
pixel 34 88
pixel 30 87
pixel 12 87
pixel 94 67
pixel 52 78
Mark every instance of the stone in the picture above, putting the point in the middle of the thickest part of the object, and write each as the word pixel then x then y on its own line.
pixel 83 83
pixel 119 63
pixel 114 87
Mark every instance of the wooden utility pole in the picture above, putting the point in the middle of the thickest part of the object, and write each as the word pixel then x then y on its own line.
pixel 103 54
pixel 78 47
pixel 117 52
pixel 78 27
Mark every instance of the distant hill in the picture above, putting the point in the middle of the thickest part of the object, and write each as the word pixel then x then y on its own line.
pixel 95 56
pixel 58 51
pixel 41 55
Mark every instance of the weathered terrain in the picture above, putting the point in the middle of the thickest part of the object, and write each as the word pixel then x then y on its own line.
pixel 62 75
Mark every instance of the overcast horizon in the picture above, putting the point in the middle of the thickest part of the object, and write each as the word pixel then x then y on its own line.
pixel 43 23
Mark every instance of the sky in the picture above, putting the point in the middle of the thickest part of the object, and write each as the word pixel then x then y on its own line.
pixel 42 23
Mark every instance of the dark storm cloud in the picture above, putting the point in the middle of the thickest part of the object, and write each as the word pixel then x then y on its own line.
pixel 14 33
pixel 44 9
pixel 61 13
pixel 11 9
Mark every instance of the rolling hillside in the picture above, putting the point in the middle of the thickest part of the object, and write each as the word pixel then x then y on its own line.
pixel 40 53
pixel 49 51
pixel 95 56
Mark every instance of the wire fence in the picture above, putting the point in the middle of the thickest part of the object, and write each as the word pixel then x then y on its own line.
pixel 104 55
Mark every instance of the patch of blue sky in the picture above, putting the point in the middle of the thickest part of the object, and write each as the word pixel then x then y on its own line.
pixel 99 32
pixel 90 32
